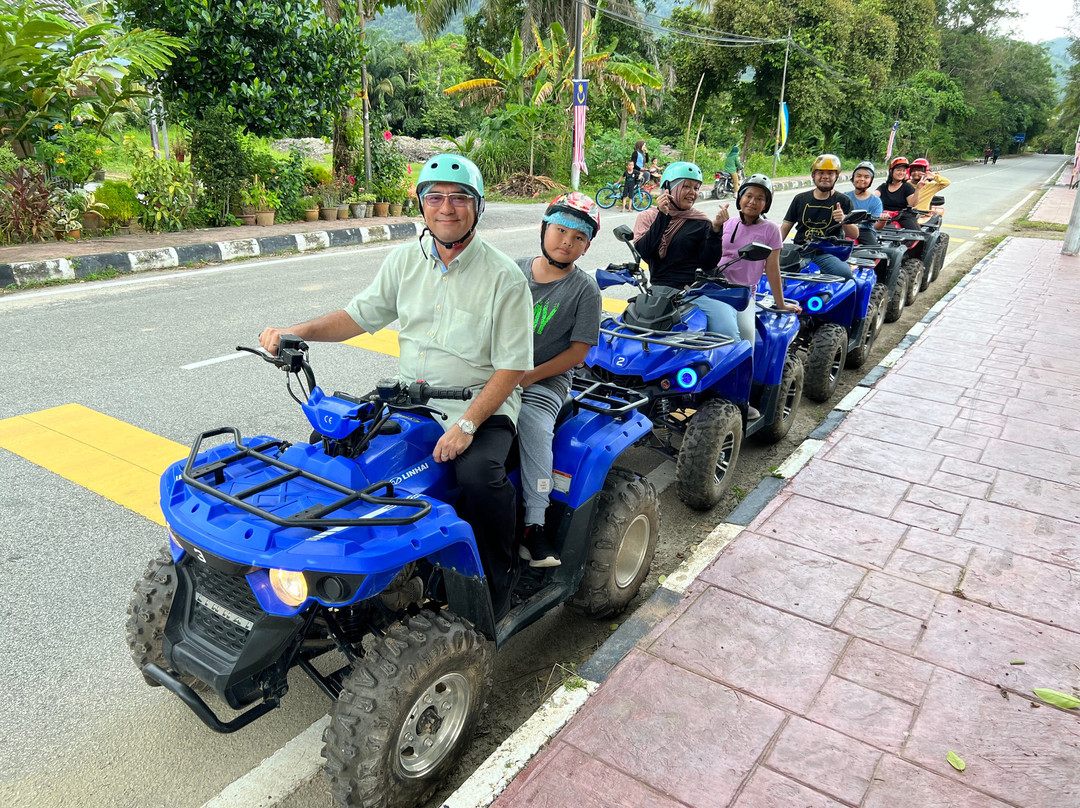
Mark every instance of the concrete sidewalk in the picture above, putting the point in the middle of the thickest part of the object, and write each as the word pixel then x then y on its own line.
pixel 897 600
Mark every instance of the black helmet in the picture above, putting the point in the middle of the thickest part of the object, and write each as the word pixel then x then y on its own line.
pixel 761 181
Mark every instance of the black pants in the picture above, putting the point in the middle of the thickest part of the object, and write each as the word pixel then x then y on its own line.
pixel 868 235
pixel 487 500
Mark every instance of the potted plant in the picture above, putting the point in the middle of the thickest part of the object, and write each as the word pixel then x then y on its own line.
pixel 356 205
pixel 247 205
pixel 311 208
pixel 90 211
pixel 65 223
pixel 328 198
pixel 262 199
pixel 369 203
pixel 382 200
pixel 397 197
pixel 124 212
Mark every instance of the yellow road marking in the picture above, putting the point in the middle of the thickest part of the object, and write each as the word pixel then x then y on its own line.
pixel 614 306
pixel 962 227
pixel 109 457
pixel 384 342
pixel 956 240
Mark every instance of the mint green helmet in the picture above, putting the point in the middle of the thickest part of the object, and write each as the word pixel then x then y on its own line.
pixel 452 168
pixel 679 171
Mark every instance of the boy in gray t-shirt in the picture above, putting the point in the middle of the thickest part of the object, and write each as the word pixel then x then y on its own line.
pixel 566 323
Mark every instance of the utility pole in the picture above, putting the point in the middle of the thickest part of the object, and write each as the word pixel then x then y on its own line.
pixel 364 99
pixel 780 112
pixel 579 37
pixel 1072 235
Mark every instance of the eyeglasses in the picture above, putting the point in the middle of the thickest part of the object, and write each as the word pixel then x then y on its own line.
pixel 457 200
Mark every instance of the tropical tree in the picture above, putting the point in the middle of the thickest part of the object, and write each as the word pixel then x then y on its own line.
pixel 51 70
pixel 512 73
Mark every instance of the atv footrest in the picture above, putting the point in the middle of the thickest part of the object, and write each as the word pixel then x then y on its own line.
pixel 201 708
pixel 337 496
pixel 687 340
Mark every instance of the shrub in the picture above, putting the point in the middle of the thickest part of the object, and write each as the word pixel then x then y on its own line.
pixel 25 211
pixel 71 157
pixel 220 163
pixel 389 168
pixel 166 189
pixel 116 196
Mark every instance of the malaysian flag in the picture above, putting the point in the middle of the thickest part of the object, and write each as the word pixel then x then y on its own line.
pixel 892 137
pixel 581 98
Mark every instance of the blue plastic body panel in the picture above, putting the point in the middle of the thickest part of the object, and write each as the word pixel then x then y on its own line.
pixel 586 446
pixel 333 417
pixel 774 333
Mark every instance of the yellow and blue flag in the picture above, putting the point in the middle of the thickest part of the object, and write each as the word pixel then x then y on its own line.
pixel 783 127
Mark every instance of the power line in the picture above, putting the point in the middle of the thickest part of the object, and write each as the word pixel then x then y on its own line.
pixel 725 41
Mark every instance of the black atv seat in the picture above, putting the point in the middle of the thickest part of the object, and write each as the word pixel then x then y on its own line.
pixel 790 258
pixel 937 201
pixel 655 311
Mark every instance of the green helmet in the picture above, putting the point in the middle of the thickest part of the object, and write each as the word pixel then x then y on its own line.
pixel 452 168
pixel 681 170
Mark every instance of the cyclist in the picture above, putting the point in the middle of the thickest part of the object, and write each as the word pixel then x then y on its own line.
pixel 862 198
pixel 813 213
pixel 898 195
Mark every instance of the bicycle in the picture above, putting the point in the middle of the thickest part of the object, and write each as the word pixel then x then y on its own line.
pixel 611 193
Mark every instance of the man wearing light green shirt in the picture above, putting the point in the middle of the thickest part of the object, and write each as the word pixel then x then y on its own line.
pixel 465 312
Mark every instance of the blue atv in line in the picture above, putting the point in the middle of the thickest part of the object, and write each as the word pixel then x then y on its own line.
pixel 841 318
pixel 346 548
pixel 699 385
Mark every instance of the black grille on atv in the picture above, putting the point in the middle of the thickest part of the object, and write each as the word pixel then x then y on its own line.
pixel 229 593
pixel 604 375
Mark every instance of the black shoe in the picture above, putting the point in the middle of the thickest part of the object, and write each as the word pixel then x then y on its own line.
pixel 537 548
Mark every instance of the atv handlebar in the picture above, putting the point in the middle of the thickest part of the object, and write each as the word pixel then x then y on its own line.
pixel 291 357
pixel 399 394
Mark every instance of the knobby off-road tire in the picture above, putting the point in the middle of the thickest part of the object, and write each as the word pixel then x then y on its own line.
pixel 940 252
pixel 407 711
pixel 606 197
pixel 147 613
pixel 787 402
pixel 825 360
pixel 858 357
pixel 914 269
pixel 622 542
pixel 710 449
pixel 898 300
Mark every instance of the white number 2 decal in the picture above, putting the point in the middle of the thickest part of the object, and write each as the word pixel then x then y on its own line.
pixel 620 360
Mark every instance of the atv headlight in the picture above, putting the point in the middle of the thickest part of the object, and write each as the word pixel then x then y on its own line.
pixel 817 302
pixel 687 378
pixel 290 586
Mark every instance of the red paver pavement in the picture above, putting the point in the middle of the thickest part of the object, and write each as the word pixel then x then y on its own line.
pixel 1055 206
pixel 867 622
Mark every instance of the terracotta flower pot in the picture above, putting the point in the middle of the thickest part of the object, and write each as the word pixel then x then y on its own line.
pixel 382 208
pixel 247 218
pixel 264 218
pixel 311 214
pixel 395 209
pixel 92 220
pixel 328 214
pixel 69 235
pixel 343 211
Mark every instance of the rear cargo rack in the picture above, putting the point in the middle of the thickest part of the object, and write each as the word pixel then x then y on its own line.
pixel 819 277
pixel 609 399
pixel 688 340
pixel 312 518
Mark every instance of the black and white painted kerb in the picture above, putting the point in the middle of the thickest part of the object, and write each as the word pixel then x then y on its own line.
pixel 20 274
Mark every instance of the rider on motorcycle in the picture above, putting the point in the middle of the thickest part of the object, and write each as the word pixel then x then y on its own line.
pixel 812 213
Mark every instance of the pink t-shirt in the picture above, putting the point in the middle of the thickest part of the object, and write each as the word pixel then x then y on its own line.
pixel 737 235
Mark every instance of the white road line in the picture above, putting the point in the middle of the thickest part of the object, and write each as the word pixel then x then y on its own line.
pixel 214 361
pixel 1012 210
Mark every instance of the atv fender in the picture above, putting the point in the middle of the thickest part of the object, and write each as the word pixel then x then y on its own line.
pixel 774 334
pixel 586 446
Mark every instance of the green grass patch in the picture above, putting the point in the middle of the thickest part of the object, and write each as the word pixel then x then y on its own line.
pixel 1027 224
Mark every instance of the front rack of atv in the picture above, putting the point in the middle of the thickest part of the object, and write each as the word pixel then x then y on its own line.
pixel 313 518
pixel 686 340
pixel 605 398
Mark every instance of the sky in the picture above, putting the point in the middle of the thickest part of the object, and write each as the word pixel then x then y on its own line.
pixel 1042 20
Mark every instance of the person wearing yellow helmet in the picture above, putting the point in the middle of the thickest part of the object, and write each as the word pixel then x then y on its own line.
pixel 820 212
pixel 465 312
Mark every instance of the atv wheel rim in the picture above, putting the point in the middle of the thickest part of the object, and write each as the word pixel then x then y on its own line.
pixel 723 462
pixel 433 725
pixel 837 364
pixel 787 403
pixel 632 550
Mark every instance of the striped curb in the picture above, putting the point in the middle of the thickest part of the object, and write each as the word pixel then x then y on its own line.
pixel 509 760
pixel 19 274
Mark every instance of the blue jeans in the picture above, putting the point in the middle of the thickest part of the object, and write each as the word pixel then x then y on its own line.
pixel 831 265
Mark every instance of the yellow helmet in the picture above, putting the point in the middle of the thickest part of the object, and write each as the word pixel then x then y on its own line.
pixel 826 162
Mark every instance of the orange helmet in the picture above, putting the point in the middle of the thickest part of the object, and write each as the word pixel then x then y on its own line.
pixel 898 161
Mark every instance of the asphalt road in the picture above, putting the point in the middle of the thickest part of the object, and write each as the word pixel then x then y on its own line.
pixel 80 727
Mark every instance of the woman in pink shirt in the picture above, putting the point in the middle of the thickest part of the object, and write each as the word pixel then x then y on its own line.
pixel 752 202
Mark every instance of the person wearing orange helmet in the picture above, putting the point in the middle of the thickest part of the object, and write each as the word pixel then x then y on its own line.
pixel 898 195
pixel 819 212
pixel 926 182
pixel 566 323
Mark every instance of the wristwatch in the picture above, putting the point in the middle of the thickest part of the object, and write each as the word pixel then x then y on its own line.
pixel 467 427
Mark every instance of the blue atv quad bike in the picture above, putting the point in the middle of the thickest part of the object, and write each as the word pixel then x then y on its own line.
pixel 698 385
pixel 841 318
pixel 347 548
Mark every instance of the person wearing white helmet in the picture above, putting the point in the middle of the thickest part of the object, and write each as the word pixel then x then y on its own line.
pixel 862 198
pixel 566 323
pixel 465 311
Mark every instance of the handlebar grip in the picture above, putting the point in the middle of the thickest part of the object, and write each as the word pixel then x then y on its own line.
pixel 453 393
